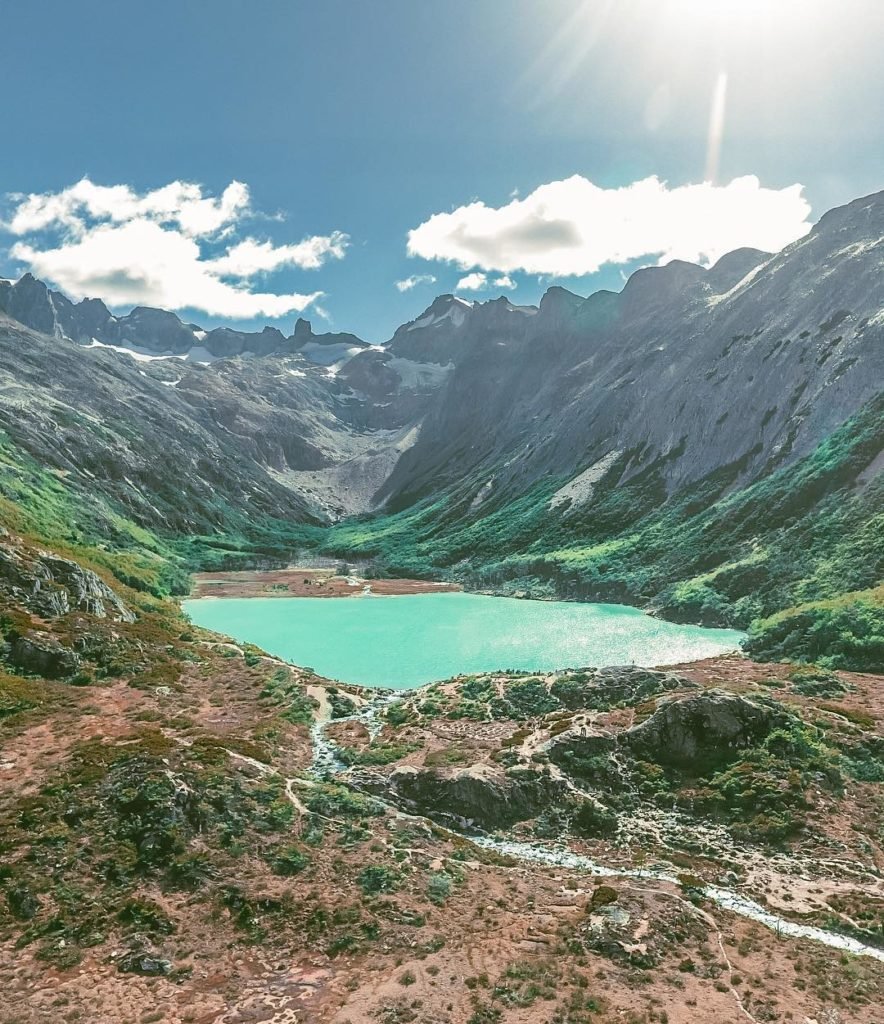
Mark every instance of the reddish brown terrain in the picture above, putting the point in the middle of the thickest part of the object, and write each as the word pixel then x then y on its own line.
pixel 497 940
pixel 295 582
pixel 192 831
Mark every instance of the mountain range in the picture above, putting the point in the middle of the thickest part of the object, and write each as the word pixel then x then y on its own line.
pixel 508 446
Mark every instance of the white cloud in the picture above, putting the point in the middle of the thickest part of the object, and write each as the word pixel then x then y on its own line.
pixel 149 249
pixel 472 283
pixel 251 257
pixel 180 202
pixel 414 281
pixel 573 227
pixel 504 281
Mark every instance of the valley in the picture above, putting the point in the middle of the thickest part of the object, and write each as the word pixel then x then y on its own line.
pixel 197 827
pixel 633 447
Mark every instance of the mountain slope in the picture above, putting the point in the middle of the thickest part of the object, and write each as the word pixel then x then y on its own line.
pixel 706 442
pixel 687 368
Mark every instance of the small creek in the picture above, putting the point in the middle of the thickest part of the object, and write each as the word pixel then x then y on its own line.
pixel 327 765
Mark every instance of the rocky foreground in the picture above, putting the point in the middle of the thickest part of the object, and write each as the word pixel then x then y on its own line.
pixel 193 831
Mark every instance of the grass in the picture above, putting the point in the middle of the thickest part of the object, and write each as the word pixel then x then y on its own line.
pixel 798 556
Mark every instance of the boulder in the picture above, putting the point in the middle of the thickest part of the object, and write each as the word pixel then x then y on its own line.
pixel 142 958
pixel 42 655
pixel 702 731
pixel 481 794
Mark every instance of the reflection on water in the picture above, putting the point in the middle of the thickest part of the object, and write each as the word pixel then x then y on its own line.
pixel 402 642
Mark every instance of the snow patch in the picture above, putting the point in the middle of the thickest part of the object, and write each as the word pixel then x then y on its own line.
pixel 857 249
pixel 413 374
pixel 579 490
pixel 482 494
pixel 742 283
pixel 424 321
pixel 409 440
pixel 137 354
pixel 194 355
pixel 456 313
pixel 326 355
pixel 201 355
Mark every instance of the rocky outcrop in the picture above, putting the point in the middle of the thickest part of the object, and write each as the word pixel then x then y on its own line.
pixel 51 586
pixel 693 735
pixel 703 731
pixel 483 795
pixel 41 654
pixel 615 686
pixel 142 957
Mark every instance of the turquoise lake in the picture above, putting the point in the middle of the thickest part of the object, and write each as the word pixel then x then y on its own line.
pixel 402 642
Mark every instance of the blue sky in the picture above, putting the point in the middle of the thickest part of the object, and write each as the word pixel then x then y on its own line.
pixel 369 118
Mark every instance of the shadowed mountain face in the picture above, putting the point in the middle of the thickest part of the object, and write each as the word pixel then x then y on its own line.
pixel 754 360
pixel 751 362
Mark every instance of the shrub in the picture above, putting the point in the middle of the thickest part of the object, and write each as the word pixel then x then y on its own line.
pixel 289 861
pixel 438 887
pixel 603 896
pixel 594 819
pixel 376 878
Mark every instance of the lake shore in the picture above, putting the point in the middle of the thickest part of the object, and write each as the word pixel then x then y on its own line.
pixel 300 582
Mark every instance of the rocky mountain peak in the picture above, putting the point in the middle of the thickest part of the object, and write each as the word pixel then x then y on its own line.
pixel 861 219
pixel 558 300
pixel 303 331
pixel 652 286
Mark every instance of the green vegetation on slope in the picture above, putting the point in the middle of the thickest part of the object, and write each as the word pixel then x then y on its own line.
pixel 796 557
pixel 45 508
pixel 784 546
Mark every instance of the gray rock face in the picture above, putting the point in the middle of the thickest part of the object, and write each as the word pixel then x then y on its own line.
pixel 750 363
pixel 53 586
pixel 30 302
pixel 702 732
pixel 41 654
pixel 480 794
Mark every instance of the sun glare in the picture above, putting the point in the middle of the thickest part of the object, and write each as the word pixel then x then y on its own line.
pixel 781 11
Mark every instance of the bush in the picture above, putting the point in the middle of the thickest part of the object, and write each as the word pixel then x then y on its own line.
pixel 603 896
pixel 438 887
pixel 594 819
pixel 289 861
pixel 375 879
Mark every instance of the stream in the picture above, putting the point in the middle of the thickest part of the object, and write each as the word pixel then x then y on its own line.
pixel 326 764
